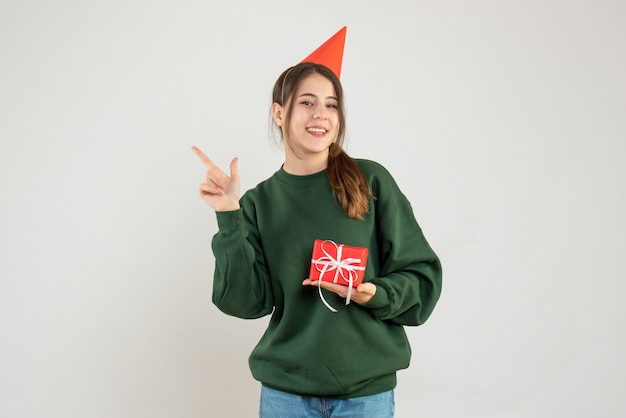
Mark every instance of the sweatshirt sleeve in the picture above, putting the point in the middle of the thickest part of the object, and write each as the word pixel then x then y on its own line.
pixel 410 277
pixel 241 285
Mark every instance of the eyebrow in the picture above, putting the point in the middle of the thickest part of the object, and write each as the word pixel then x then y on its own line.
pixel 312 95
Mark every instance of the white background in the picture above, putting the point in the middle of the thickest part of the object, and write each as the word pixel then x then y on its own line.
pixel 503 122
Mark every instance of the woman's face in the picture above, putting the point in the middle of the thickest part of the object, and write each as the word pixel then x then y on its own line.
pixel 314 118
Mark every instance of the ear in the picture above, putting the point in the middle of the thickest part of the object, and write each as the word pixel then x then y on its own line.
pixel 278 113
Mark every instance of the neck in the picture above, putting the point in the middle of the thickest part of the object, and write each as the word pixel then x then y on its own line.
pixel 304 166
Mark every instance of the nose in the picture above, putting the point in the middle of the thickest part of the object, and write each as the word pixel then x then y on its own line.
pixel 320 113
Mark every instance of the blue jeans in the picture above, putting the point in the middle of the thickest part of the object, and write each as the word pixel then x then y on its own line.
pixel 277 404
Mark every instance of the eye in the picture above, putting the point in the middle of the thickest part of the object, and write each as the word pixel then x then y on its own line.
pixel 306 103
pixel 331 106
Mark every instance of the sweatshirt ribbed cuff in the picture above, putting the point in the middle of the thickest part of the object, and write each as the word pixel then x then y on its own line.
pixel 380 299
pixel 228 220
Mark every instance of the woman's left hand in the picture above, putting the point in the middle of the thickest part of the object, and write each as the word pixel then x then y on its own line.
pixel 362 294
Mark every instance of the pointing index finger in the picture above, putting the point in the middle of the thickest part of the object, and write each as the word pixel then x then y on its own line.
pixel 205 160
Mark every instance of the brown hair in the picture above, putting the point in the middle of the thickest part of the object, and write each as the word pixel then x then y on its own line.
pixel 347 181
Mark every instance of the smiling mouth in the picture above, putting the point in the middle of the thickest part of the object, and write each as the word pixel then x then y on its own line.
pixel 316 130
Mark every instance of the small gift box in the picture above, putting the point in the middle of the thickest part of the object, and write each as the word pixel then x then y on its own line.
pixel 337 263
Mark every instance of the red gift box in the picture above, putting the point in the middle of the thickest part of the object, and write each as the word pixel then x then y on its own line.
pixel 338 263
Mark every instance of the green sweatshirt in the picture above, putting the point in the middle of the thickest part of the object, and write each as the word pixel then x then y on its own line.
pixel 263 253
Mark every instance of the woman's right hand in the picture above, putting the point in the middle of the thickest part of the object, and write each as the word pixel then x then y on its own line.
pixel 220 191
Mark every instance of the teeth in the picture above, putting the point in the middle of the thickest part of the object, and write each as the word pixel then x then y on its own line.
pixel 317 130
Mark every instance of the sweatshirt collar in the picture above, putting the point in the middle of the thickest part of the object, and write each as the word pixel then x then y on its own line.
pixel 302 181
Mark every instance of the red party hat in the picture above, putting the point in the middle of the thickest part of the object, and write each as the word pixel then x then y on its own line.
pixel 330 53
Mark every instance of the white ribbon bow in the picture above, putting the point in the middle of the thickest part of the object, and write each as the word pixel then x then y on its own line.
pixel 346 269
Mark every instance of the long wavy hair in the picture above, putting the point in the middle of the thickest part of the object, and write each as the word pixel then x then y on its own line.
pixel 347 181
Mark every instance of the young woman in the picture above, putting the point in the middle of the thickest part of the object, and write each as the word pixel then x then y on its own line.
pixel 312 360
